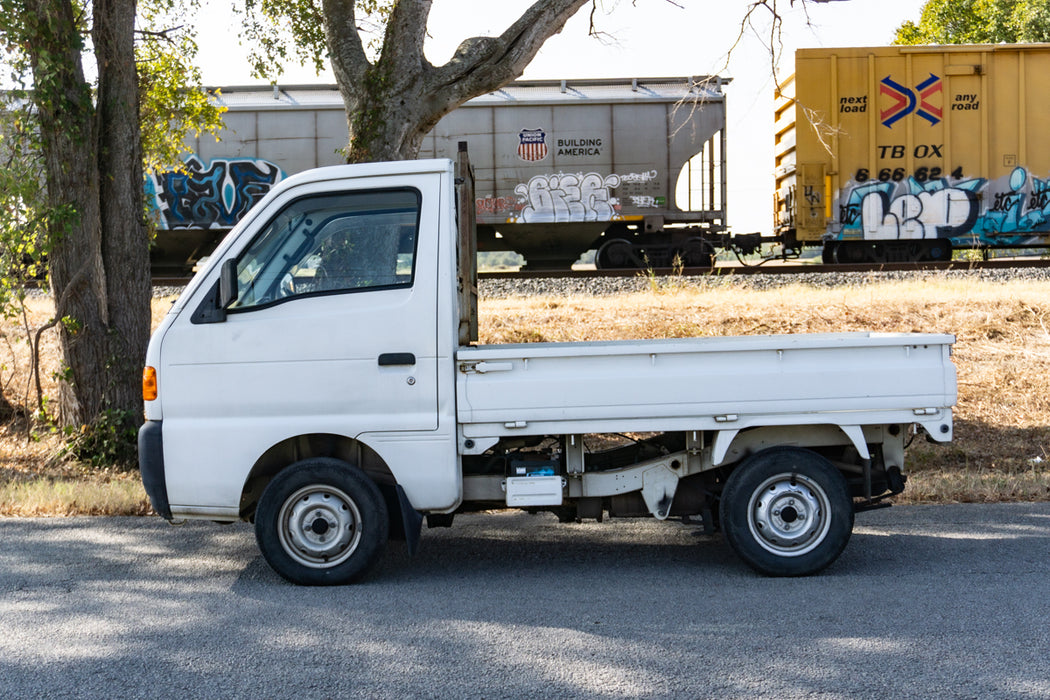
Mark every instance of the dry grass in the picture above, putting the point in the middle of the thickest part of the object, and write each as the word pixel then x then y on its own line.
pixel 1001 449
pixel 35 477
pixel 43 492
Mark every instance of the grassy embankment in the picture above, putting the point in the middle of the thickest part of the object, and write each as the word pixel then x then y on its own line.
pixel 1001 449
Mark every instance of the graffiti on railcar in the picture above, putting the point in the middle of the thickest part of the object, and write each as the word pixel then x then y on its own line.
pixel 497 205
pixel 1009 210
pixel 576 197
pixel 909 210
pixel 213 195
pixel 568 197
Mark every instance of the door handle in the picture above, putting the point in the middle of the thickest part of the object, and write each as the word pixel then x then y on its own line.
pixel 391 359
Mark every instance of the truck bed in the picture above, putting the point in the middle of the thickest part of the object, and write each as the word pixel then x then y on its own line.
pixel 707 383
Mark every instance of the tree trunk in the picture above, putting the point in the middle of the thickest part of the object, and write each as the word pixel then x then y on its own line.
pixel 125 243
pixel 389 118
pixel 94 176
pixel 75 259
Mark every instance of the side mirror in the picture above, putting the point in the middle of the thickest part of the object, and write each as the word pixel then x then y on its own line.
pixel 228 283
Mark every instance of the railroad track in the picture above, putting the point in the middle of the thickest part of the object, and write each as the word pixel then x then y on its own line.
pixel 778 269
pixel 775 268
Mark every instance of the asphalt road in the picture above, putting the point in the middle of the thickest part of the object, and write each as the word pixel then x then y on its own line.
pixel 935 601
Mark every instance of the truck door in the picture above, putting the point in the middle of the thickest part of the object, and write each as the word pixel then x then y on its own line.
pixel 333 330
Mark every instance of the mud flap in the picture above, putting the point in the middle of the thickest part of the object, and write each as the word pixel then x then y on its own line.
pixel 410 524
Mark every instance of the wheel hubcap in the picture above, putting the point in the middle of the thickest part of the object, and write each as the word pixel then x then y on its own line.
pixel 319 526
pixel 789 515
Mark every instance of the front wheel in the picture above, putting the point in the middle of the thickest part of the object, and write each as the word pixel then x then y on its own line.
pixel 786 511
pixel 321 522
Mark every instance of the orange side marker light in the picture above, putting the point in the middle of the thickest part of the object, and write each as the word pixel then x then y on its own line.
pixel 149 384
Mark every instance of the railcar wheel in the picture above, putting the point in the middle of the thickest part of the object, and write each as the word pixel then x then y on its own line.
pixel 940 249
pixel 696 253
pixel 321 522
pixel 787 511
pixel 848 252
pixel 615 254
pixel 828 254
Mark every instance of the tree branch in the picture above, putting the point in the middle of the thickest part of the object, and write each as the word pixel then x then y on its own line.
pixel 347 52
pixel 159 34
pixel 405 32
pixel 483 64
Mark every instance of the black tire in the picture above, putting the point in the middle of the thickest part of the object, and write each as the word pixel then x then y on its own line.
pixel 851 252
pixel 786 511
pixel 321 522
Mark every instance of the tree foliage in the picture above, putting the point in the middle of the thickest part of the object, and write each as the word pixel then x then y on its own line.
pixel 978 22
pixel 25 220
pixel 72 186
pixel 172 102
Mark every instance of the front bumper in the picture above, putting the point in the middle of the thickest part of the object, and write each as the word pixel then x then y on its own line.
pixel 151 467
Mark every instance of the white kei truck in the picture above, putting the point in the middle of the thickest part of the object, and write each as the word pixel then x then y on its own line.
pixel 320 377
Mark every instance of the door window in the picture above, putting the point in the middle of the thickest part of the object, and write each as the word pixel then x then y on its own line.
pixel 330 244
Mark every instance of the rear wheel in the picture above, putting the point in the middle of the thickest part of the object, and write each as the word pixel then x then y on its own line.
pixel 321 522
pixel 787 511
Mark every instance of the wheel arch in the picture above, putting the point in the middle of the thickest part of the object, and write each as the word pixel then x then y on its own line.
pixel 735 445
pixel 295 449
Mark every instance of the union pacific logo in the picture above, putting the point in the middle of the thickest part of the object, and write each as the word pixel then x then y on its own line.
pixel 906 101
pixel 532 144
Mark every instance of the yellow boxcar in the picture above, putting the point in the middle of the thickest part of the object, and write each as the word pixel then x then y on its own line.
pixel 903 153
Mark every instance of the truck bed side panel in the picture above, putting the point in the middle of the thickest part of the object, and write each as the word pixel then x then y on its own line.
pixel 703 383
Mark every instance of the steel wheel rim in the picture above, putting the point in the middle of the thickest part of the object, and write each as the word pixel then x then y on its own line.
pixel 789 515
pixel 319 526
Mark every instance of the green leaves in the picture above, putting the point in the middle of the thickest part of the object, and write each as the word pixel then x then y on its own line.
pixel 172 105
pixel 24 212
pixel 279 31
pixel 978 22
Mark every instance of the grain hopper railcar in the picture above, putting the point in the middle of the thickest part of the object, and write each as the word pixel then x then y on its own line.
pixel 634 169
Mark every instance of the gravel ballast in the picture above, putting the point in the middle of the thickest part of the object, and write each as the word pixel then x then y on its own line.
pixel 612 286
